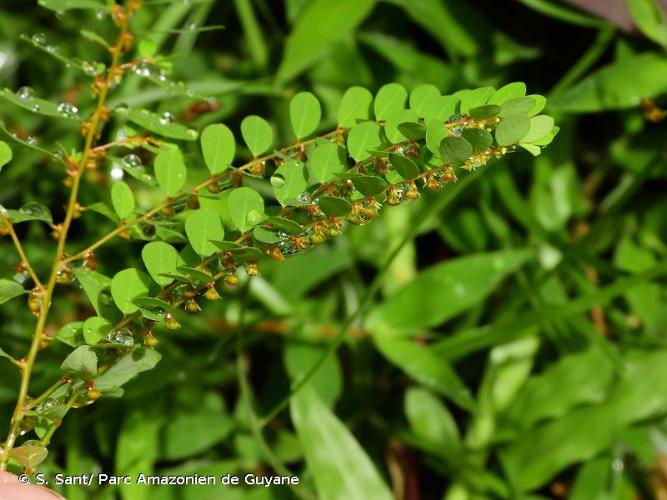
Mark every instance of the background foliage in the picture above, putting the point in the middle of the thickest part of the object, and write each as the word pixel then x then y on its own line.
pixel 515 347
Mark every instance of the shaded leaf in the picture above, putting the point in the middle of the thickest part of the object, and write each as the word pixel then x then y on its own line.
pixel 82 362
pixel 170 171
pixel 289 181
pixel 122 199
pixel 10 289
pixel 160 258
pixel 126 286
pixel 158 124
pixel 241 203
pixel 512 129
pixel 334 207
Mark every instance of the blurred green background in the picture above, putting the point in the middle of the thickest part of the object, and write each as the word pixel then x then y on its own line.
pixel 517 346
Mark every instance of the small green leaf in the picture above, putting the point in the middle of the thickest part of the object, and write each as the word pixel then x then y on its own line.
pixel 71 334
pixel 5 154
pixel 41 106
pixel 405 167
pixel 486 111
pixel 30 454
pixel 475 98
pixel 479 139
pixel 203 226
pixel 364 138
pixel 423 99
pixel 354 106
pixel 96 286
pixel 512 129
pixel 61 6
pixel 330 449
pixel 393 122
pixel 82 362
pixel 540 127
pixel 540 103
pixel 650 18
pixel 10 289
pixel 158 124
pixel 95 329
pixel 29 212
pixel 507 92
pixel 257 134
pixel 517 106
pixel 289 181
pixel 305 114
pixel 369 185
pixel 129 366
pixel 218 147
pixel 325 160
pixel 240 203
pixel 455 149
pixel 159 258
pixel 126 286
pixel 122 199
pixel 531 148
pixel 390 97
pixel 432 422
pixel 170 171
pixel 334 207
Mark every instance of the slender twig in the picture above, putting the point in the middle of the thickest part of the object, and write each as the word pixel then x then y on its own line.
pixel 46 295
pixel 19 248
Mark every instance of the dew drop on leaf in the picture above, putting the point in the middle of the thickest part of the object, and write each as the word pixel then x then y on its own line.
pixel 305 198
pixel 254 217
pixel 25 93
pixel 39 38
pixel 277 181
pixel 67 109
pixel 166 118
pixel 121 336
pixel 132 161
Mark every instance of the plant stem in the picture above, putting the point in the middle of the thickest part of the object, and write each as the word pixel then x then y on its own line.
pixel 19 248
pixel 46 296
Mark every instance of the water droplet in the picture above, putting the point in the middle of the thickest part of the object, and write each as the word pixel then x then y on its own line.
pixel 144 69
pixel 192 26
pixel 25 93
pixel 105 298
pixel 132 161
pixel 21 277
pixel 254 217
pixel 305 198
pixel 100 14
pixel 34 209
pixel 51 49
pixel 89 68
pixel 459 290
pixel 166 118
pixel 39 38
pixel 192 133
pixel 277 181
pixel 46 405
pixel 122 134
pixel 36 108
pixel 117 173
pixel 617 465
pixel 3 211
pixel 67 109
pixel 121 336
pixel 162 76
pixel 31 140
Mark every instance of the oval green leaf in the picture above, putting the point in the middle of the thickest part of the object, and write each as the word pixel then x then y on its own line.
pixel 218 147
pixel 390 97
pixel 512 129
pixel 122 199
pixel 293 176
pixel 257 134
pixel 126 286
pixel 170 171
pixel 364 138
pixel 324 161
pixel 455 149
pixel 354 106
pixel 240 203
pixel 159 258
pixel 305 113
pixel 203 226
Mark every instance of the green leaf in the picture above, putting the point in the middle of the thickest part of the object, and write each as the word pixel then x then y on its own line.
pixel 369 185
pixel 95 329
pixel 320 25
pixel 170 171
pixel 355 105
pixel 518 106
pixel 5 154
pixel 126 286
pixel 391 97
pixel 240 203
pixel 30 454
pixel 486 111
pixel 364 138
pixel 324 161
pixel 435 133
pixel 540 127
pixel 29 212
pixel 82 362
pixel 305 113
pixel 96 286
pixel 423 99
pixel 298 357
pixel 122 199
pixel 128 367
pixel 61 6
pixel 405 167
pixel 71 334
pixel 443 291
pixel 289 181
pixel 431 421
pixel 160 258
pixel 479 139
pixel 203 226
pixel 334 207
pixel 512 129
pixel 188 434
pixel 428 367
pixel 257 134
pixel 507 92
pixel 475 98
pixel 218 147
pixel 650 18
pixel 396 118
pixel 455 149
pixel 158 124
pixel 330 449
pixel 619 85
pixel 40 106
pixel 10 289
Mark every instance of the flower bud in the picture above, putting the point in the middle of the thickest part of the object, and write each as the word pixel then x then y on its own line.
pixel 170 322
